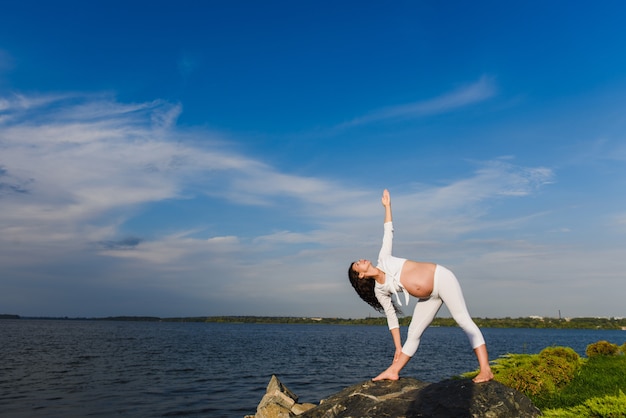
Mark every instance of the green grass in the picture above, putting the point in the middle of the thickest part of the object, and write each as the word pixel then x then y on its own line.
pixel 598 407
pixel 599 376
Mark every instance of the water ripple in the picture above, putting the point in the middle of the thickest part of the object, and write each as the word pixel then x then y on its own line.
pixel 151 369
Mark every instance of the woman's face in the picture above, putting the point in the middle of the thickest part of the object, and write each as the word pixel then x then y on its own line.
pixel 361 267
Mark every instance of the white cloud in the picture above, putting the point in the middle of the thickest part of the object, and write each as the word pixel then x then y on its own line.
pixel 477 92
pixel 76 171
pixel 223 240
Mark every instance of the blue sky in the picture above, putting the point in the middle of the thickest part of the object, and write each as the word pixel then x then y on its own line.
pixel 227 158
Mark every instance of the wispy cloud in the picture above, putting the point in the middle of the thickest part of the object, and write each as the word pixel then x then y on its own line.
pixel 88 163
pixel 479 91
pixel 74 170
pixel 71 162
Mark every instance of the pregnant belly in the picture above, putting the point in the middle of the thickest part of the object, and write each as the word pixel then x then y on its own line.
pixel 418 278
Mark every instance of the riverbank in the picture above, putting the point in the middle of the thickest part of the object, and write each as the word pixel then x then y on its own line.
pixel 523 322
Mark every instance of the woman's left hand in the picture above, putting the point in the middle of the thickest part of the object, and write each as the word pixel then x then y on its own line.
pixel 386 199
pixel 396 356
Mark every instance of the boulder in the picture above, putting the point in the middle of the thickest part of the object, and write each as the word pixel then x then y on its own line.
pixel 279 402
pixel 406 397
pixel 409 397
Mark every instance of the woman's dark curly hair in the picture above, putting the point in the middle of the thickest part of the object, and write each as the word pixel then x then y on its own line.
pixel 365 289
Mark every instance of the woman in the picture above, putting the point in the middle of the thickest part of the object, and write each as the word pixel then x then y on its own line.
pixel 430 283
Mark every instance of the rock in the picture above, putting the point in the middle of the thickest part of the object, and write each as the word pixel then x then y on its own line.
pixel 409 397
pixel 279 402
pixel 300 408
pixel 406 397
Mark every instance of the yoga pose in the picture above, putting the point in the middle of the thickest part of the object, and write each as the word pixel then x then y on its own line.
pixel 432 284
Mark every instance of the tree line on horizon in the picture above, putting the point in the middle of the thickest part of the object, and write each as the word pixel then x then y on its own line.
pixel 507 322
pixel 523 322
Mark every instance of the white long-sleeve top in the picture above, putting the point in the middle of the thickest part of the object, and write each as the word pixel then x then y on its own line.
pixel 392 267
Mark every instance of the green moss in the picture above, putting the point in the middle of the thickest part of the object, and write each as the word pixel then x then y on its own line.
pixel 539 376
pixel 602 348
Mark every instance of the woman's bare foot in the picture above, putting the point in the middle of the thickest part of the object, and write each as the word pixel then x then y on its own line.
pixel 393 371
pixel 387 375
pixel 483 377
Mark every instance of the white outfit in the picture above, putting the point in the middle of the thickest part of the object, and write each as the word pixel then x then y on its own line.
pixel 446 289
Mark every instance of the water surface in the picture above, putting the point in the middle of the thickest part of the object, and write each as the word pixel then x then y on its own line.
pixel 55 368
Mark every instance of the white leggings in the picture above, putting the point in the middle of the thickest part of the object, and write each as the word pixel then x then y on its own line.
pixel 446 289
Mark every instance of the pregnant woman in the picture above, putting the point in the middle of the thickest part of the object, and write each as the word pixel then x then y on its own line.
pixel 432 284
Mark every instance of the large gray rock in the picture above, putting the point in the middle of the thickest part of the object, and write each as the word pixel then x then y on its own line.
pixel 409 397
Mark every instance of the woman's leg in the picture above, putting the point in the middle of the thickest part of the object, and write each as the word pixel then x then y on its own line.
pixel 451 294
pixel 485 374
pixel 423 314
pixel 425 311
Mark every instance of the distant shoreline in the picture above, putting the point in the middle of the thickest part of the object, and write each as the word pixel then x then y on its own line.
pixel 523 322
